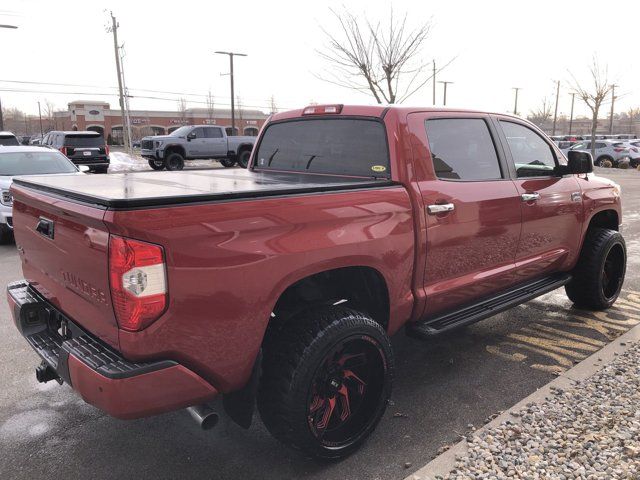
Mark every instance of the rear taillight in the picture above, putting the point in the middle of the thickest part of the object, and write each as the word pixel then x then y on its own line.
pixel 138 282
pixel 619 149
pixel 106 149
pixel 63 150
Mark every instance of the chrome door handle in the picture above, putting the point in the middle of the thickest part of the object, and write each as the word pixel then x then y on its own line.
pixel 530 197
pixel 440 208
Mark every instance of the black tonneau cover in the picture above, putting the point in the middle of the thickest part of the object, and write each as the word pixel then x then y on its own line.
pixel 149 189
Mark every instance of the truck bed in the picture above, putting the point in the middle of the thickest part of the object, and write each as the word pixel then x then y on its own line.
pixel 151 189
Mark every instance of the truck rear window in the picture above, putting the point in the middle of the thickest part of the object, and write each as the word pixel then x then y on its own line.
pixel 341 146
pixel 84 141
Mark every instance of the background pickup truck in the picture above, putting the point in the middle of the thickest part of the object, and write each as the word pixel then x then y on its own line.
pixel 196 142
pixel 281 284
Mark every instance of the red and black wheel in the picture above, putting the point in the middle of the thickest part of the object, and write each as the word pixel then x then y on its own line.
pixel 326 381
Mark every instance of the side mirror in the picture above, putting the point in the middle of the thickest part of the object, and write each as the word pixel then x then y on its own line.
pixel 579 162
pixel 191 136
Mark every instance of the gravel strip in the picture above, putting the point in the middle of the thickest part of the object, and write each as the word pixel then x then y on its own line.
pixel 590 431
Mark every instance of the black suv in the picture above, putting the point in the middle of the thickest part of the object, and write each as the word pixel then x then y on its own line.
pixel 82 148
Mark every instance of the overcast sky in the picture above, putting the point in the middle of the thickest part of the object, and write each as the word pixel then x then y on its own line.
pixel 169 47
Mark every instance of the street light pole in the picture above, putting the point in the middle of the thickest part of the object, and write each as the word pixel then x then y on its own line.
pixel 515 105
pixel 444 99
pixel 573 99
pixel 233 109
pixel 555 114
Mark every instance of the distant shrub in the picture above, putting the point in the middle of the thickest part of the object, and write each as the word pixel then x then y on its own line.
pixel 623 165
pixel 606 164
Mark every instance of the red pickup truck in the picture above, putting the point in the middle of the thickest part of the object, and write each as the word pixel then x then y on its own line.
pixel 281 284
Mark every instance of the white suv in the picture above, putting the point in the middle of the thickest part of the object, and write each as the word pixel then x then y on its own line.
pixel 613 150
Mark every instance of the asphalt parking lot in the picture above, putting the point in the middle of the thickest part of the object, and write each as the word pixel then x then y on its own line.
pixel 441 388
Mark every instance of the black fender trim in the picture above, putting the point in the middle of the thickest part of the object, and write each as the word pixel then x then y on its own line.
pixel 239 405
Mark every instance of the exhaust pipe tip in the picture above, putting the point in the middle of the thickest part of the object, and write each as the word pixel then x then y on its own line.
pixel 204 416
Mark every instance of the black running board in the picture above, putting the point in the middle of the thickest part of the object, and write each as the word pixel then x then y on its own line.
pixel 486 308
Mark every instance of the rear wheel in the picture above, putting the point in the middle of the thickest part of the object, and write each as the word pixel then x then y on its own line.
pixel 326 381
pixel 243 158
pixel 174 161
pixel 599 274
pixel 227 162
pixel 156 164
pixel 600 160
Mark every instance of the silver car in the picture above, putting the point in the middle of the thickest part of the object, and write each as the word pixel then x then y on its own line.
pixel 24 160
pixel 613 150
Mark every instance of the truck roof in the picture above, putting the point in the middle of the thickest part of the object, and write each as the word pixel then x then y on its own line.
pixel 376 111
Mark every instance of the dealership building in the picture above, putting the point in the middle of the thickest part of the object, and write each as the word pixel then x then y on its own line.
pixel 99 117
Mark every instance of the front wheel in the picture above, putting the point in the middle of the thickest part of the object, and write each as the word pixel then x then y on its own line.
pixel 326 381
pixel 227 162
pixel 156 164
pixel 243 158
pixel 174 161
pixel 6 235
pixel 599 274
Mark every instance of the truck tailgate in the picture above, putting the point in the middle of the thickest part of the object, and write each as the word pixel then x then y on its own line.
pixel 66 258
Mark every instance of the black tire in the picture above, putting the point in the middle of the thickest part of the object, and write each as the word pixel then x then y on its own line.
pixel 227 162
pixel 599 274
pixel 174 161
pixel 156 164
pixel 243 158
pixel 599 160
pixel 331 355
pixel 6 235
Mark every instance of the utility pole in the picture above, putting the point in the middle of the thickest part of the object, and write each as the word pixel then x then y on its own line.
pixel 515 105
pixel 555 114
pixel 114 29
pixel 444 99
pixel 434 82
pixel 126 102
pixel 613 99
pixel 233 108
pixel 573 99
pixel 11 27
pixel 40 115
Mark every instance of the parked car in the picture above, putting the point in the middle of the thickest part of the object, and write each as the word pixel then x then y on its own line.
pixel 282 283
pixel 626 136
pixel 614 151
pixel 81 147
pixel 23 160
pixel 634 152
pixel 8 139
pixel 195 142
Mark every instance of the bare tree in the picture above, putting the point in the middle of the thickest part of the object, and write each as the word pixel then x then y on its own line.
pixel 49 114
pixel 210 107
pixel 541 114
pixel 272 105
pixel 182 111
pixel 593 94
pixel 384 61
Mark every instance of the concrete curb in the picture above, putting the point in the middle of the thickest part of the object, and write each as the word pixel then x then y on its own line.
pixel 444 463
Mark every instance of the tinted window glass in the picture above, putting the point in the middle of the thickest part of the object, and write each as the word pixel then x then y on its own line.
pixel 339 146
pixel 8 141
pixel 211 132
pixel 462 149
pixel 600 145
pixel 34 163
pixel 83 141
pixel 531 154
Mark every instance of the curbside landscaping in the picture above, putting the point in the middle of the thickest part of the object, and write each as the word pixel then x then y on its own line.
pixel 583 425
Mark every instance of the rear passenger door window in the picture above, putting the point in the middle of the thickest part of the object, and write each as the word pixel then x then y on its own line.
pixel 532 155
pixel 462 149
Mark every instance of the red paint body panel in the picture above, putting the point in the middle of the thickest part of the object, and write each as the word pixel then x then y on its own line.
pixel 142 395
pixel 228 262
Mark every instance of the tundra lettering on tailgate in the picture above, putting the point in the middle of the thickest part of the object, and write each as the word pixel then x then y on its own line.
pixel 82 287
